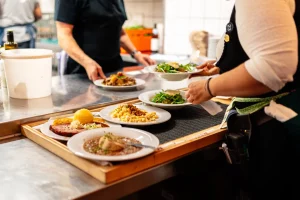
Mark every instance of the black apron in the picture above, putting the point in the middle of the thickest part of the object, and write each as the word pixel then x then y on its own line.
pixel 97 32
pixel 274 147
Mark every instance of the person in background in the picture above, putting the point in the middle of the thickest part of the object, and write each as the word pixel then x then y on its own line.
pixel 19 16
pixel 258 63
pixel 91 33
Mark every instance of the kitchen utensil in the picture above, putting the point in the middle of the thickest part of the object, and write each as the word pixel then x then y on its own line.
pixel 141 145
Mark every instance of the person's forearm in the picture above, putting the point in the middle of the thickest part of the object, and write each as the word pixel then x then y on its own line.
pixel 68 43
pixel 238 83
pixel 126 42
pixel 37 12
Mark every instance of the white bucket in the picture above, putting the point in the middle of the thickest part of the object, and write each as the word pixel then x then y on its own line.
pixel 28 72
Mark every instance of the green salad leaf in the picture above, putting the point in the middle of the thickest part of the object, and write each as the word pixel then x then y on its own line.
pixel 173 67
pixel 165 98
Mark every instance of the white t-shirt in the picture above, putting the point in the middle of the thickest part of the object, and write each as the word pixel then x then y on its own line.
pixel 268 35
pixel 14 12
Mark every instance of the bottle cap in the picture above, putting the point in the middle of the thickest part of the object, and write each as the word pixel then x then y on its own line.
pixel 10 36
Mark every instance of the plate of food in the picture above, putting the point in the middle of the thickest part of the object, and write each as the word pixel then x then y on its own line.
pixel 137 115
pixel 166 99
pixel 64 128
pixel 113 144
pixel 119 81
pixel 174 71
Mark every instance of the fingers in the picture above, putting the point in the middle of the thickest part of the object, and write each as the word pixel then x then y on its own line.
pixel 202 66
pixel 193 95
pixel 189 98
pixel 205 72
pixel 94 75
pixel 100 72
pixel 143 62
pixel 149 60
pixel 211 61
pixel 207 64
pixel 187 95
pixel 214 70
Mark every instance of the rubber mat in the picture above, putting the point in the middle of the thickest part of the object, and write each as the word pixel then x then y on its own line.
pixel 184 121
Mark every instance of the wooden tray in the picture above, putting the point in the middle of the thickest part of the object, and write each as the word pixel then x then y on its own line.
pixel 108 174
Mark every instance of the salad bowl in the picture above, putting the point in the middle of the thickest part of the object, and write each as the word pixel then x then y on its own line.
pixel 173 71
pixel 165 99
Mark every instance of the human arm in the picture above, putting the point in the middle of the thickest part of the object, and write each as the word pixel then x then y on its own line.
pixel 237 82
pixel 129 47
pixel 66 15
pixel 37 12
pixel 209 69
pixel 272 50
pixel 68 43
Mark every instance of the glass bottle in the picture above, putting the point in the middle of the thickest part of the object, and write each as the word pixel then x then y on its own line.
pixel 10 43
pixel 154 40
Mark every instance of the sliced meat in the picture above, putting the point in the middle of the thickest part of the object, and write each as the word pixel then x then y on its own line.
pixel 64 130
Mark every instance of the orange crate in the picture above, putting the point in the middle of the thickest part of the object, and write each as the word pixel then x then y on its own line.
pixel 141 38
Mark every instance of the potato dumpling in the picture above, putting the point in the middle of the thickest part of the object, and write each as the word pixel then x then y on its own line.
pixel 84 116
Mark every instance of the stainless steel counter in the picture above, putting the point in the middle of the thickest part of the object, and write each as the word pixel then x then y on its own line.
pixel 69 93
pixel 28 171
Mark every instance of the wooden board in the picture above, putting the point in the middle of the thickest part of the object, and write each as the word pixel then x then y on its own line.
pixel 108 174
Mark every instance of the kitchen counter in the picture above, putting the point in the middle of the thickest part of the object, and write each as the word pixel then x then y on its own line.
pixel 70 92
pixel 29 171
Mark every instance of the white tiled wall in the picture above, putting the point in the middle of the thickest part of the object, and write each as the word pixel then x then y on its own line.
pixel 184 16
pixel 146 12
pixel 47 6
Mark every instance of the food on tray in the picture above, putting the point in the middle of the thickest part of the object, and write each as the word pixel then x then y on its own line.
pixel 168 97
pixel 83 120
pixel 111 145
pixel 84 116
pixel 119 79
pixel 130 113
pixel 174 67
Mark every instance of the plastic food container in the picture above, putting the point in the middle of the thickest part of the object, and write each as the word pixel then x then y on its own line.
pixel 28 72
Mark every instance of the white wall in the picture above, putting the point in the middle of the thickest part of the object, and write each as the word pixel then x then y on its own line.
pixel 145 12
pixel 184 16
pixel 47 6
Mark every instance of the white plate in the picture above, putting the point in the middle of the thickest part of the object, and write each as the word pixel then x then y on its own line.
pixel 146 96
pixel 139 83
pixel 172 76
pixel 46 131
pixel 163 115
pixel 75 144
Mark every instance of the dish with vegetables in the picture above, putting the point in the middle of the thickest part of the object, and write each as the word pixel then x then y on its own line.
pixel 165 99
pixel 119 79
pixel 174 67
pixel 111 145
pixel 168 97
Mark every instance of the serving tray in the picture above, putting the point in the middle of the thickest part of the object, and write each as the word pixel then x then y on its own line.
pixel 183 134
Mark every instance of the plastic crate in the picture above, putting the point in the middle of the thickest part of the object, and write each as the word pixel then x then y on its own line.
pixel 141 38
